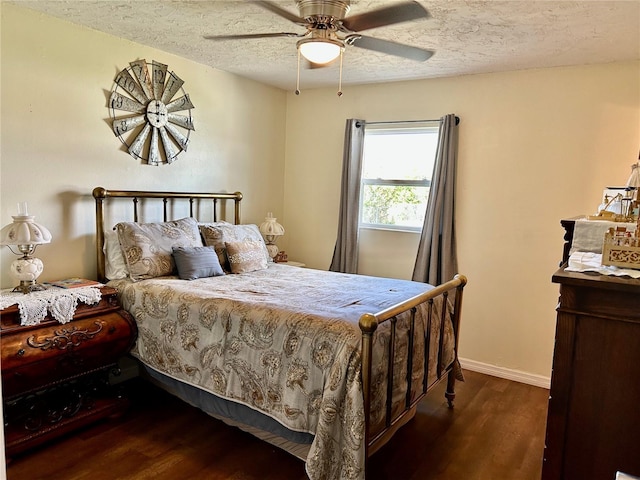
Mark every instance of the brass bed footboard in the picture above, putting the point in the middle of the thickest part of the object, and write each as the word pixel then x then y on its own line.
pixel 369 323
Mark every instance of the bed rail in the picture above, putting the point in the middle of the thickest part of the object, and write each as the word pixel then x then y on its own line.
pixel 369 324
pixel 100 194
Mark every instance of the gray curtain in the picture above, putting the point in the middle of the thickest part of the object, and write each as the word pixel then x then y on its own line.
pixel 437 260
pixel 345 253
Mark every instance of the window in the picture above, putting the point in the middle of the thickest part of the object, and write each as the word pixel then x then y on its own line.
pixel 397 166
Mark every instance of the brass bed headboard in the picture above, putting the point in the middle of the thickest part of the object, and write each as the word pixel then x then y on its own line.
pixel 100 194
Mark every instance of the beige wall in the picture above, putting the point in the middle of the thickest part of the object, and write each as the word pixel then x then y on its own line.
pixel 535 146
pixel 57 142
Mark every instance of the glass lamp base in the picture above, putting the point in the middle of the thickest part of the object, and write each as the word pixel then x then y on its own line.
pixel 27 269
pixel 272 248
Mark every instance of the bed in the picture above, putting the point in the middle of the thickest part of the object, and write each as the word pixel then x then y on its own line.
pixel 325 365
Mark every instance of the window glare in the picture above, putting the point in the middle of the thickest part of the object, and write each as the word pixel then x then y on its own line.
pixel 389 155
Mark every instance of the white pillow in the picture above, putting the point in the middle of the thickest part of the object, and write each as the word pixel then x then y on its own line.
pixel 115 266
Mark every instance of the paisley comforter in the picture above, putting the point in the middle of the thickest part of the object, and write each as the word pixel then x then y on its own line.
pixel 284 341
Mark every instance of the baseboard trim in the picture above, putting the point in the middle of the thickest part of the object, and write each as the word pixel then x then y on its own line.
pixel 506 373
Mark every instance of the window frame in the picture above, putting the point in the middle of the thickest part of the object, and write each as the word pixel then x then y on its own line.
pixel 395 128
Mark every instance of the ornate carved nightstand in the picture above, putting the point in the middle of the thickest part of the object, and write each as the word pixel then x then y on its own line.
pixel 55 377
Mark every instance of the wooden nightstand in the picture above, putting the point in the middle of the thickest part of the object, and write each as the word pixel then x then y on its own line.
pixel 55 377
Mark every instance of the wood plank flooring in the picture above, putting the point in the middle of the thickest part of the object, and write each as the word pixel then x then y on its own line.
pixel 495 432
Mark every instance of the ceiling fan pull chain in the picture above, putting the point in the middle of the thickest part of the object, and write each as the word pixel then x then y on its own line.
pixel 298 79
pixel 340 84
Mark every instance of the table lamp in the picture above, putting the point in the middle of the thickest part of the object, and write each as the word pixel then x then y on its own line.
pixel 26 235
pixel 271 230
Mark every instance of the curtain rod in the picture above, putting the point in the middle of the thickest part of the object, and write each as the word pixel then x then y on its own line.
pixel 408 121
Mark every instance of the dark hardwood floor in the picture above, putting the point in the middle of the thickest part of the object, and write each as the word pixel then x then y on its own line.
pixel 495 432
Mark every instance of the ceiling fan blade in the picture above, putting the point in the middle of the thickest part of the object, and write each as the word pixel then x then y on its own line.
pixel 273 8
pixel 390 48
pixel 402 12
pixel 252 35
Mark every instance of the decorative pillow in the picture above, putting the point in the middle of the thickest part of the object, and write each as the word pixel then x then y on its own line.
pixel 246 256
pixel 147 247
pixel 115 266
pixel 217 234
pixel 196 262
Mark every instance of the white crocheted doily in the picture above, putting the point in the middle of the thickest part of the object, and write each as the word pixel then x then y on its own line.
pixel 60 303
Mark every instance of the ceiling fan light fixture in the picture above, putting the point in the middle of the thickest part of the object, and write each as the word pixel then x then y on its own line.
pixel 320 50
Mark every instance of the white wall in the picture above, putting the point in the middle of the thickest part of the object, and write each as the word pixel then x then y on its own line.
pixel 534 147
pixel 57 142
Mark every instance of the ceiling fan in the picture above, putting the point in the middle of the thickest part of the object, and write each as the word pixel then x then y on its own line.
pixel 329 29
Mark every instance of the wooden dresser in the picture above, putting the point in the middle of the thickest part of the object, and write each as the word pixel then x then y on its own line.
pixel 55 376
pixel 593 422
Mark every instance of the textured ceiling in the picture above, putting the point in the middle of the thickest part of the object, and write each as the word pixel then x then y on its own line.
pixel 468 36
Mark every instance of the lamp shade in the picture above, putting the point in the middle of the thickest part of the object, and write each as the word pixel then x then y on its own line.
pixel 270 227
pixel 24 231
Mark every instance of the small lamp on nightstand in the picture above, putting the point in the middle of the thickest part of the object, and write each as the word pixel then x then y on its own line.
pixel 271 230
pixel 26 235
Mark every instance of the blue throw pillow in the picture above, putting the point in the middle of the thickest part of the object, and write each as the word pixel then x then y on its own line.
pixel 196 262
